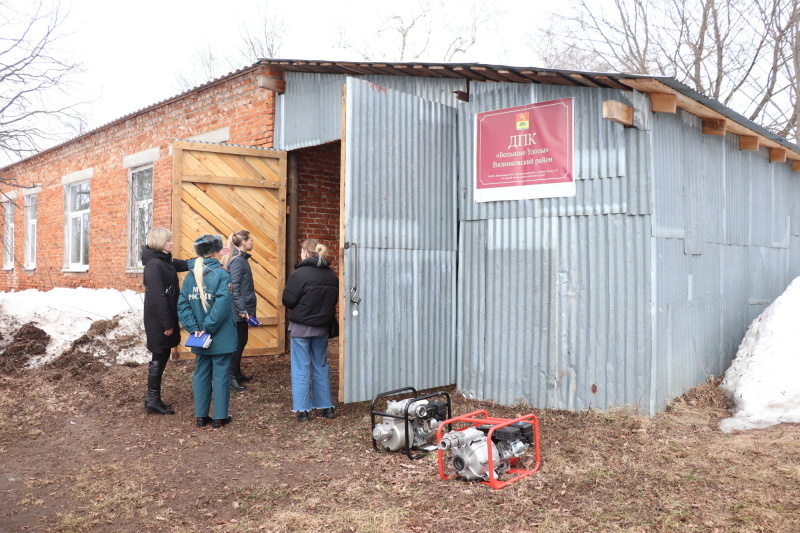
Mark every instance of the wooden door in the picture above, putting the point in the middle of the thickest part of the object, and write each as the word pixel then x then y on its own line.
pixel 220 189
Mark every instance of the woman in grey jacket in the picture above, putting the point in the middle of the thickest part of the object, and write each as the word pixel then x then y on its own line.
pixel 244 298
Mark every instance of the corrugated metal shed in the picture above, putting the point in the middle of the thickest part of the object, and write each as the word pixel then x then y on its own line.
pixel 633 291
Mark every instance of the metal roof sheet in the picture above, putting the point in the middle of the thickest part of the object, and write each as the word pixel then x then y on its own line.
pixel 688 98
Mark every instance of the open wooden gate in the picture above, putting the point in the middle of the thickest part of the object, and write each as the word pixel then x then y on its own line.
pixel 220 189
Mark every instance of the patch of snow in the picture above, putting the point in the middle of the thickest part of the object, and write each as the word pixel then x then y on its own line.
pixel 66 314
pixel 763 382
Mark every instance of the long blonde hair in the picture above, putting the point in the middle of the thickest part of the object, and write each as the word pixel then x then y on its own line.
pixel 314 248
pixel 199 264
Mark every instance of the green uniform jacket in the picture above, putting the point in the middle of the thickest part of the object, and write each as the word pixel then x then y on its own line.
pixel 217 321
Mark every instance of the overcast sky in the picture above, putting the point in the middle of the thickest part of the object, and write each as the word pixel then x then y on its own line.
pixel 132 51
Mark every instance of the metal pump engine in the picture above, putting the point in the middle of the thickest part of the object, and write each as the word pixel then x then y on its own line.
pixel 424 418
pixel 410 423
pixel 483 447
pixel 471 447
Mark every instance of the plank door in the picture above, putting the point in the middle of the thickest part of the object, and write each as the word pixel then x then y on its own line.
pixel 219 189
pixel 399 242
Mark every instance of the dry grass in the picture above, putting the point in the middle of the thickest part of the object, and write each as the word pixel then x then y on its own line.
pixel 79 455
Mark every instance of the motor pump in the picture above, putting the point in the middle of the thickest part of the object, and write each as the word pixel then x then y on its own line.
pixel 410 423
pixel 482 448
pixel 424 418
pixel 471 447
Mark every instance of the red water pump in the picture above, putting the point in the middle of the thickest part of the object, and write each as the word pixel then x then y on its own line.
pixel 486 448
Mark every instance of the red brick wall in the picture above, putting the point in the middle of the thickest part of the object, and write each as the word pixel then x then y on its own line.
pixel 236 102
pixel 318 198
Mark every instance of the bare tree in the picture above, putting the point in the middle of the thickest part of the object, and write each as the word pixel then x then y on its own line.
pixel 35 106
pixel 260 39
pixel 739 52
pixel 265 38
pixel 204 66
pixel 427 31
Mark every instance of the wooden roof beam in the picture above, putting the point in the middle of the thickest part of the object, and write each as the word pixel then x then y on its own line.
pixel 618 112
pixel 777 155
pixel 583 80
pixel 715 126
pixel 271 83
pixel 649 86
pixel 748 142
pixel 663 103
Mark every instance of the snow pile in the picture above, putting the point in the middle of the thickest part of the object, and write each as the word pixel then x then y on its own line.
pixel 764 380
pixel 67 314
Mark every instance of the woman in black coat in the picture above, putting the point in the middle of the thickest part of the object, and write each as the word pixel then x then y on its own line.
pixel 311 292
pixel 160 311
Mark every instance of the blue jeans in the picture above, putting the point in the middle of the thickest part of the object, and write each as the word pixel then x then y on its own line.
pixel 311 384
pixel 211 373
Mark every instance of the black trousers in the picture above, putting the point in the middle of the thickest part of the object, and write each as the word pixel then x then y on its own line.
pixel 162 357
pixel 236 357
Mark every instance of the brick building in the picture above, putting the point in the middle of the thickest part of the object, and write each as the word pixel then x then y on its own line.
pixel 125 169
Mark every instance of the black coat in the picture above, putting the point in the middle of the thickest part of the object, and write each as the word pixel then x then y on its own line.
pixel 161 298
pixel 244 292
pixel 311 293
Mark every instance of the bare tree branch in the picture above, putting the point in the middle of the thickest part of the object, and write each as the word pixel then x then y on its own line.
pixel 34 81
pixel 740 52
pixel 265 39
pixel 427 31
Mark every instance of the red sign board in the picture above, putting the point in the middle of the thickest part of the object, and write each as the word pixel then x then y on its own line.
pixel 525 152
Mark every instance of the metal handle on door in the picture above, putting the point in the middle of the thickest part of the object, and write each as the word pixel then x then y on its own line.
pixel 354 298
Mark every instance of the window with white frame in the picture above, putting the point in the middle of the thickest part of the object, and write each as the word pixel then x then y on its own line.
pixel 31 204
pixel 78 225
pixel 140 212
pixel 8 234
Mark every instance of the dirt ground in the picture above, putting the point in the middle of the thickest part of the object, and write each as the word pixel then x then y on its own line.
pixel 79 454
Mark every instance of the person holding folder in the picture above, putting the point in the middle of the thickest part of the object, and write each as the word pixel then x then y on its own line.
pixel 204 308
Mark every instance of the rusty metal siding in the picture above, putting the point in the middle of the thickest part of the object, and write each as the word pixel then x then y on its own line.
pixel 554 312
pixel 400 210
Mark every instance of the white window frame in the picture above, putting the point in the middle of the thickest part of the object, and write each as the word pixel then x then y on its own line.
pixel 70 181
pixel 138 228
pixel 82 216
pixel 8 231
pixel 30 230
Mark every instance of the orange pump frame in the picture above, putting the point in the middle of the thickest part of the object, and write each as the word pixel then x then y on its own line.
pixel 480 417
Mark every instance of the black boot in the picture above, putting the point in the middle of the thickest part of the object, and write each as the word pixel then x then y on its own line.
pixel 235 385
pixel 152 401
pixel 219 422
